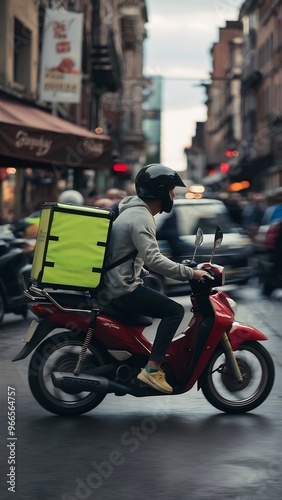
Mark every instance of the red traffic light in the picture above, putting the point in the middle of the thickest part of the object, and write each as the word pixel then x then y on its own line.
pixel 224 168
pixel 211 171
pixel 120 167
pixel 231 152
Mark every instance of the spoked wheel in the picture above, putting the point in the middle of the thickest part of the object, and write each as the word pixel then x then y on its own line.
pixel 222 390
pixel 60 353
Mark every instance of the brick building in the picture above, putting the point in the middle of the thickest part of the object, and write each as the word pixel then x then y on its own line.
pixel 107 120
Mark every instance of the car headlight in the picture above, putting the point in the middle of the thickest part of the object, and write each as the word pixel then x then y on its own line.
pixel 232 304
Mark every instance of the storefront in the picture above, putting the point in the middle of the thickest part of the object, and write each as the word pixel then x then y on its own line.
pixel 36 143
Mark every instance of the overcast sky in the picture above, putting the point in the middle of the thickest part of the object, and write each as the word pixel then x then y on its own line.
pixel 180 36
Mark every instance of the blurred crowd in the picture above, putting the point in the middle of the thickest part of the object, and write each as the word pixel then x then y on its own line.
pixel 109 199
pixel 255 210
pixel 248 212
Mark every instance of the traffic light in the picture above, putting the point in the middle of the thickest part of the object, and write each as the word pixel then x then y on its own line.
pixel 211 170
pixel 231 152
pixel 224 168
pixel 122 171
pixel 120 167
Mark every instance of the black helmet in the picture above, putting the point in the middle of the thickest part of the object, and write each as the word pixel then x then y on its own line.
pixel 153 182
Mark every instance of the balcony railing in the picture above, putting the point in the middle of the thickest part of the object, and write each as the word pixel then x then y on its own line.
pixel 252 81
pixel 106 67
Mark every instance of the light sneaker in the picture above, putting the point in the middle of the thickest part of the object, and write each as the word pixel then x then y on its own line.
pixel 155 379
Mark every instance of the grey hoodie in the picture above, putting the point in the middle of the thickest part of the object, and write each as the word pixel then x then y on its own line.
pixel 135 228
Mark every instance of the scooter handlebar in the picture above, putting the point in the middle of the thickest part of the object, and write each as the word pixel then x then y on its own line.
pixel 217 272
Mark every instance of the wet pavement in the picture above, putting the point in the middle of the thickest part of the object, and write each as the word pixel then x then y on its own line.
pixel 168 447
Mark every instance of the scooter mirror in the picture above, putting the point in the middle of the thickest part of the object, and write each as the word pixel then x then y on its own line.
pixel 198 241
pixel 199 237
pixel 218 237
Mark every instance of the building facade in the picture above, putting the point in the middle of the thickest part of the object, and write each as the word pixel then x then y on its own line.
pixel 223 126
pixel 268 143
pixel 151 123
pixel 108 116
pixel 244 101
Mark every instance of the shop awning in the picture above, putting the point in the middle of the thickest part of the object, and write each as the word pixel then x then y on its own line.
pixel 28 134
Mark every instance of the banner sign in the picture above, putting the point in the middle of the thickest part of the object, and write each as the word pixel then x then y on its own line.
pixel 60 75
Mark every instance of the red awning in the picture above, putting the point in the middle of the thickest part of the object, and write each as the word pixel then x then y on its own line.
pixel 29 134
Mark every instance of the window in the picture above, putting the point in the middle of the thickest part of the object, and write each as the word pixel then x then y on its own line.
pixel 279 98
pixel 279 33
pixel 22 54
pixel 271 44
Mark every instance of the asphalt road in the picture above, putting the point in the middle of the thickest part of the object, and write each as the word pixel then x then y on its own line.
pixel 161 448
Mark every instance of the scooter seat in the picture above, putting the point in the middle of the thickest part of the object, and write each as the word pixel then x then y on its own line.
pixel 126 317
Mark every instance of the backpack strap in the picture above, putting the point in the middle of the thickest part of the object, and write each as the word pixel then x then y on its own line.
pixel 132 255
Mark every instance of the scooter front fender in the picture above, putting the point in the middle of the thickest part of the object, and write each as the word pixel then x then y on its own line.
pixel 41 330
pixel 240 332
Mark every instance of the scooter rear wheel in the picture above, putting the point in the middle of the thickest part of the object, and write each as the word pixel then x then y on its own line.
pixel 60 353
pixel 222 390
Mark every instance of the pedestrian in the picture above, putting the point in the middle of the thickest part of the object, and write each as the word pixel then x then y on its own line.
pixel 116 195
pixel 71 196
pixel 234 206
pixel 277 210
pixel 102 202
pixel 253 214
pixel 135 229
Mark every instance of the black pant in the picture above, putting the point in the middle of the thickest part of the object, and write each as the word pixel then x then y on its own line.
pixel 149 302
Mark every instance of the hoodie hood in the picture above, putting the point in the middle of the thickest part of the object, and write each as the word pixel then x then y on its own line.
pixel 130 202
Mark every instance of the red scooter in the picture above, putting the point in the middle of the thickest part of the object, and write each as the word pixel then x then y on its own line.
pixel 97 353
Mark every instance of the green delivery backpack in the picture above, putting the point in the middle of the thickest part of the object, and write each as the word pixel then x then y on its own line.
pixel 71 247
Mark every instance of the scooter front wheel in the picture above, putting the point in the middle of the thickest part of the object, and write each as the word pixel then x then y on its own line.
pixel 60 353
pixel 225 393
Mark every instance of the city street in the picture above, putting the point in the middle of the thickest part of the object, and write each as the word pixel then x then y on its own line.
pixel 135 134
pixel 149 448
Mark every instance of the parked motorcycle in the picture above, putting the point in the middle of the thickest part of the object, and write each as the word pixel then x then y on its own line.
pixel 14 236
pixel 97 353
pixel 14 277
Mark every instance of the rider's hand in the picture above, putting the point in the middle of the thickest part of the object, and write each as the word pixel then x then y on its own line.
pixel 201 275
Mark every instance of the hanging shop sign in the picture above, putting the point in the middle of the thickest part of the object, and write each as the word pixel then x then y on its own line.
pixel 60 72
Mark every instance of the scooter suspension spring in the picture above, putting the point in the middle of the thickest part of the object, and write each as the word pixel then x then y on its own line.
pixel 83 351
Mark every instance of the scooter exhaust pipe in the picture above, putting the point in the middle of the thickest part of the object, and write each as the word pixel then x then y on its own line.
pixel 68 382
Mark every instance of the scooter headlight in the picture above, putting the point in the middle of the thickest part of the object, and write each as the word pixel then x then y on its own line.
pixel 232 304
